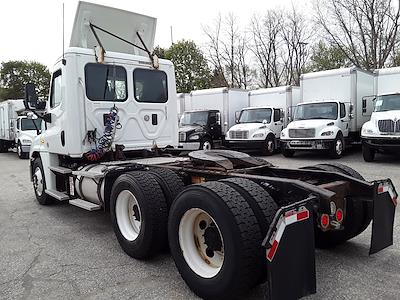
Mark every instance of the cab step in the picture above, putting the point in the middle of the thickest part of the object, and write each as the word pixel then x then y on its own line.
pixel 84 204
pixel 88 174
pixel 60 196
pixel 60 170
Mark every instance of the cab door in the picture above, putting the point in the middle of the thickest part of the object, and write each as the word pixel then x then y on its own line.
pixel 344 118
pixel 277 122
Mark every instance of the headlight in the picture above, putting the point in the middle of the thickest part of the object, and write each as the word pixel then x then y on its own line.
pixel 327 133
pixel 367 131
pixel 194 137
pixel 26 141
pixel 258 135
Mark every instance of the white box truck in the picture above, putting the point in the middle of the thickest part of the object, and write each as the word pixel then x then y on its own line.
pixel 330 115
pixel 211 114
pixel 382 132
pixel 260 124
pixel 17 129
pixel 226 233
pixel 183 103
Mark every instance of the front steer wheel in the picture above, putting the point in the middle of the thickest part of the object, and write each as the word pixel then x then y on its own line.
pixel 39 183
pixel 139 214
pixel 368 153
pixel 214 239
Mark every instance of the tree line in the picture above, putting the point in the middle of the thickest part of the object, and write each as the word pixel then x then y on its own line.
pixel 271 49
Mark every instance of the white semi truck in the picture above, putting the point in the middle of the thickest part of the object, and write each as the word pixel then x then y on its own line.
pixel 211 113
pixel 330 115
pixel 382 132
pixel 17 129
pixel 260 124
pixel 230 220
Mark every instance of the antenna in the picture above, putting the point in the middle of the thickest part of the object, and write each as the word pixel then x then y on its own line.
pixel 172 39
pixel 63 56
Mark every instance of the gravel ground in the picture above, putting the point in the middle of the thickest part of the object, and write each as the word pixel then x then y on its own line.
pixel 63 252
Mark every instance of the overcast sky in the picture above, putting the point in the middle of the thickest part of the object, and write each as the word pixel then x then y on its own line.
pixel 32 29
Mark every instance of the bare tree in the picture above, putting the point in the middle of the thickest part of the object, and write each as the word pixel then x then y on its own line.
pixel 228 51
pixel 266 47
pixel 296 35
pixel 365 30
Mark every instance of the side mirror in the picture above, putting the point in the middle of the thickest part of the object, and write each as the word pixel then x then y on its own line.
pixel 218 118
pixel 31 98
pixel 351 116
pixel 282 116
pixel 237 116
pixel 47 118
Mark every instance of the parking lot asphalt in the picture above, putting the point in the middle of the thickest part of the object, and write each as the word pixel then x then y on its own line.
pixel 63 252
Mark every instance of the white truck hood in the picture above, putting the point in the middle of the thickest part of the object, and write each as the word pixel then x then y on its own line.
pixel 251 127
pixel 27 134
pixel 303 124
pixel 386 115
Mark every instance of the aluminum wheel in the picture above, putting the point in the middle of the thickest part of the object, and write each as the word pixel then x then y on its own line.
pixel 270 146
pixel 129 218
pixel 19 150
pixel 38 181
pixel 201 242
pixel 339 147
pixel 207 145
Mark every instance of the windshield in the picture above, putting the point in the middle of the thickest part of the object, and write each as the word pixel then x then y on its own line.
pixel 194 118
pixel 255 115
pixel 322 110
pixel 29 124
pixel 387 102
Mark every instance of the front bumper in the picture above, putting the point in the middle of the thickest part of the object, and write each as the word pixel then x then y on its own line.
pixel 390 144
pixel 189 146
pixel 244 144
pixel 303 144
pixel 26 148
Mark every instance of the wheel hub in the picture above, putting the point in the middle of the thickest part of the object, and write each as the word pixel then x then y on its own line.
pixel 38 181
pixel 128 214
pixel 339 147
pixel 212 240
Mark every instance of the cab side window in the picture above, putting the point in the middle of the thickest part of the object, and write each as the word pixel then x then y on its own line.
pixel 277 115
pixel 55 96
pixel 213 118
pixel 342 110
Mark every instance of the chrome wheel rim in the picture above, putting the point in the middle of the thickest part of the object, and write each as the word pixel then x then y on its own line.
pixel 128 214
pixel 339 147
pixel 206 145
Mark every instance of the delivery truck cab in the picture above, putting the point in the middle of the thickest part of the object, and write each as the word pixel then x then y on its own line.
pixel 382 132
pixel 259 126
pixel 330 115
pixel 211 114
pixel 26 129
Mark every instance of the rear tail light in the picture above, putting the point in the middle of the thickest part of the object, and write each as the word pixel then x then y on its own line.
pixel 324 221
pixel 339 215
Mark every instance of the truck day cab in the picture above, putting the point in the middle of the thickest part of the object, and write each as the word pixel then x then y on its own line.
pixel 382 132
pixel 211 113
pixel 259 125
pixel 231 221
pixel 330 115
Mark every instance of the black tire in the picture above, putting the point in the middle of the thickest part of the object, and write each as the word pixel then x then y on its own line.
pixel 287 152
pixel 269 146
pixel 204 142
pixel 368 153
pixel 368 207
pixel 38 182
pixel 337 151
pixel 152 235
pixel 241 240
pixel 263 206
pixel 351 225
pixel 170 183
pixel 20 153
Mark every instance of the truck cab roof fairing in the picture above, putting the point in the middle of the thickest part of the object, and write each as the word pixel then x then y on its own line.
pixel 120 22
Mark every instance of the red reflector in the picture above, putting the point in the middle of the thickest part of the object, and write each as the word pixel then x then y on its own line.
pixel 271 252
pixel 302 215
pixel 380 189
pixel 324 221
pixel 339 215
pixel 394 201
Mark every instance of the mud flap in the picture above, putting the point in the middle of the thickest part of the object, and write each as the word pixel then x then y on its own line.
pixel 384 206
pixel 290 253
